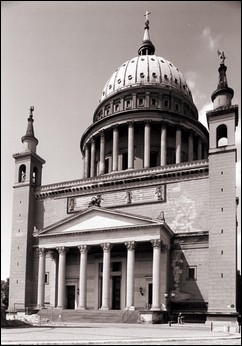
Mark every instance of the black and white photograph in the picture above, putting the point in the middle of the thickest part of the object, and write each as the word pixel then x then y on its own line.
pixel 121 173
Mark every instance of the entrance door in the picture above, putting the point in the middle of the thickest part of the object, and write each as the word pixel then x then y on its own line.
pixel 149 295
pixel 116 292
pixel 70 290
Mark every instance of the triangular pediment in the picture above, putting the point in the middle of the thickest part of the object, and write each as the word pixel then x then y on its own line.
pixel 96 218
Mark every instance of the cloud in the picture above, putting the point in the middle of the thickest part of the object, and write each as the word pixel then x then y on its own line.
pixel 202 113
pixel 208 38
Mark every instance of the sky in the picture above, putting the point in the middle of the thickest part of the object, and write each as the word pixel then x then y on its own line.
pixel 58 55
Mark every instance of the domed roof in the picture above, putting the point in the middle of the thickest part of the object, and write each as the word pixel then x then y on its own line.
pixel 146 70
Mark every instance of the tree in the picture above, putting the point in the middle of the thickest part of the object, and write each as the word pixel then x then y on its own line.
pixel 5 292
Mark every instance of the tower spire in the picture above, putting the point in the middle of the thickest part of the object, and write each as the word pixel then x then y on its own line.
pixel 29 140
pixel 147 47
pixel 223 95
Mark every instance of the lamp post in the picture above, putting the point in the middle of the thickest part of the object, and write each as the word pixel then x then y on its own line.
pixel 168 298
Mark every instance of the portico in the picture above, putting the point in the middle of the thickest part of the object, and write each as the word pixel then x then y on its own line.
pixel 112 272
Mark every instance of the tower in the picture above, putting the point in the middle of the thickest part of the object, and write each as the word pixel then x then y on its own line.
pixel 28 172
pixel 222 122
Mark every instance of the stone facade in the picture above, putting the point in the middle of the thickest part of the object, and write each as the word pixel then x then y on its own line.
pixel 151 226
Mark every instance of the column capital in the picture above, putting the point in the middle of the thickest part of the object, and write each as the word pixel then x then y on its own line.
pixel 130 123
pixel 41 251
pixel 130 245
pixel 156 243
pixel 106 246
pixel 62 249
pixel 92 140
pixel 83 248
pixel 102 133
pixel 52 254
pixel 147 122
pixel 115 126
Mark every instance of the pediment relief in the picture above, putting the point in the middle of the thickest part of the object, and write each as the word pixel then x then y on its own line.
pixel 97 218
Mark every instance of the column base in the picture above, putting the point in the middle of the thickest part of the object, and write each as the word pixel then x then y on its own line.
pixel 155 308
pixel 104 308
pixel 132 308
pixel 81 308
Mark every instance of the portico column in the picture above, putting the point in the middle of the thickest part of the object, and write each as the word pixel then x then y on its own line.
pixel 87 161
pixel 156 274
pixel 178 146
pixel 115 148
pixel 41 279
pixel 131 145
pixel 147 145
pixel 163 146
pixel 199 149
pixel 102 152
pixel 53 284
pixel 93 154
pixel 106 277
pixel 130 274
pixel 83 277
pixel 61 277
pixel 190 147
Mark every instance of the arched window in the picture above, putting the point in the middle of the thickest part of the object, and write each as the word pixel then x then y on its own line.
pixel 221 136
pixel 34 175
pixel 22 173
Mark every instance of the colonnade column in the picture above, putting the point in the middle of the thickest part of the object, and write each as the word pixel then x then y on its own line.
pixel 53 277
pixel 163 146
pixel 130 274
pixel 106 276
pixel 102 153
pixel 41 279
pixel 115 147
pixel 178 146
pixel 131 145
pixel 93 154
pixel 156 243
pixel 83 277
pixel 61 277
pixel 190 147
pixel 199 149
pixel 147 145
pixel 86 161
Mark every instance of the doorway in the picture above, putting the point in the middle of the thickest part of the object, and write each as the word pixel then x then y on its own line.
pixel 71 295
pixel 150 286
pixel 116 280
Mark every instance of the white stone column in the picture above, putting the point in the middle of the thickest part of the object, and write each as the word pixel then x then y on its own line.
pixel 190 147
pixel 62 277
pixel 199 149
pixel 131 145
pixel 147 145
pixel 41 279
pixel 156 274
pixel 115 147
pixel 93 156
pixel 52 278
pixel 83 277
pixel 178 146
pixel 102 153
pixel 106 277
pixel 87 161
pixel 163 146
pixel 130 274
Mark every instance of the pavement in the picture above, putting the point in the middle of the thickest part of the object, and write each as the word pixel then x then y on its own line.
pixel 117 334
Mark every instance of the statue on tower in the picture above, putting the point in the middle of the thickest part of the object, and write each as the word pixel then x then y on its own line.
pixel 222 56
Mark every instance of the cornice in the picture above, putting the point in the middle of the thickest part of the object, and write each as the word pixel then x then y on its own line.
pixel 123 179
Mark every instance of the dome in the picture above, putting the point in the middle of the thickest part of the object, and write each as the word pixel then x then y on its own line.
pixel 146 70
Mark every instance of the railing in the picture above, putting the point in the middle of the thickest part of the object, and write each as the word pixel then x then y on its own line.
pixel 125 316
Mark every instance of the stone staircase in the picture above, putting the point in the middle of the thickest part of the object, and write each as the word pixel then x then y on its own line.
pixel 89 316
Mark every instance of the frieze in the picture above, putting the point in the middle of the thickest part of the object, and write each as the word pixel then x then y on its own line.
pixel 118 198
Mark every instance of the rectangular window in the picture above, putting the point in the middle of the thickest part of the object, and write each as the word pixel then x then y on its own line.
pixel 47 278
pixel 192 273
pixel 128 103
pixel 141 102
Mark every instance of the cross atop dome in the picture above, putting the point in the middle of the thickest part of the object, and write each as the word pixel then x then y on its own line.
pixel 147 48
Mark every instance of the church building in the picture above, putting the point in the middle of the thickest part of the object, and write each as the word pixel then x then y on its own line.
pixel 152 225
